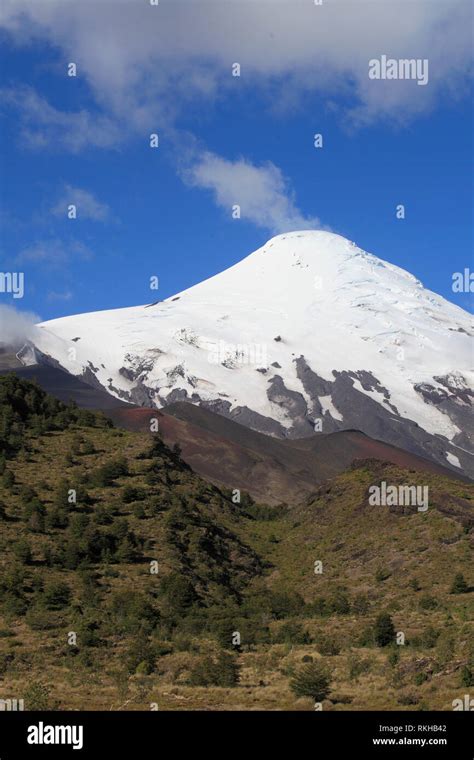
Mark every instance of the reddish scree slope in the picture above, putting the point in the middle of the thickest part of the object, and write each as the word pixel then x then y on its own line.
pixel 270 469
pixel 226 453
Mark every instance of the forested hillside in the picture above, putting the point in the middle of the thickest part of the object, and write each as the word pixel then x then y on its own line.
pixel 128 582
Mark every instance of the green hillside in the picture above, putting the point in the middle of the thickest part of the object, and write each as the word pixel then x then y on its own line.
pixel 127 582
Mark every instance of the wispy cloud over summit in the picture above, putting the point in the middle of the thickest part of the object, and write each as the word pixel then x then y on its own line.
pixel 262 193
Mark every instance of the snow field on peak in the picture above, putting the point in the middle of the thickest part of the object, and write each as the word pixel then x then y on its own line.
pixel 311 294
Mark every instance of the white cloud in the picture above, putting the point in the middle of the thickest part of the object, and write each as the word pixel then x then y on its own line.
pixel 147 65
pixel 43 125
pixel 16 326
pixel 87 205
pixel 54 252
pixel 144 63
pixel 262 192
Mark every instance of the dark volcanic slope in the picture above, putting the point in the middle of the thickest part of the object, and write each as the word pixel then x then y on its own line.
pixel 8 360
pixel 60 384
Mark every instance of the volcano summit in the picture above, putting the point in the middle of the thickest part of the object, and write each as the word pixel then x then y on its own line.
pixel 307 334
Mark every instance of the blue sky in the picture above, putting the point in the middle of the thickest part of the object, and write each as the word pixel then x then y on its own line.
pixel 167 211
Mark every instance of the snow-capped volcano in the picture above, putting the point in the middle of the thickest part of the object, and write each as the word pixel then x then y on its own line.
pixel 309 333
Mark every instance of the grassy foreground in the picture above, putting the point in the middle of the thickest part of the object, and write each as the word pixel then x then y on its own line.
pixel 128 582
